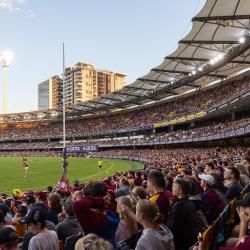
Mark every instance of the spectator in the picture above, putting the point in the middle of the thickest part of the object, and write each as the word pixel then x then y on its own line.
pixel 155 235
pixel 93 242
pixel 127 226
pixel 244 179
pixel 232 177
pixel 55 208
pixel 243 210
pixel 8 239
pixel 22 211
pixel 212 200
pixel 69 226
pixel 182 216
pixel 123 189
pixel 95 214
pixel 209 168
pixel 44 239
pixel 156 188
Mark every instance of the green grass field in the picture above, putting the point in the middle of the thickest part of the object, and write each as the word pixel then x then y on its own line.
pixel 44 171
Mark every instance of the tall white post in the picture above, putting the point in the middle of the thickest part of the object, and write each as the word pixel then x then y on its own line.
pixel 5 84
pixel 64 127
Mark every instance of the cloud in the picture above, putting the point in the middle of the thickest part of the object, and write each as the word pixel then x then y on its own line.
pixel 6 5
pixel 22 2
pixel 11 5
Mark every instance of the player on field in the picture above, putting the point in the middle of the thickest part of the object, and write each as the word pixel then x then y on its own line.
pixel 100 165
pixel 26 166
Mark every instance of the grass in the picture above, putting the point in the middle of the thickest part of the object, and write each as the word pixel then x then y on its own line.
pixel 44 171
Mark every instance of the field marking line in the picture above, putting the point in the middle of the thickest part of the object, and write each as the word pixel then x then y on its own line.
pixel 111 166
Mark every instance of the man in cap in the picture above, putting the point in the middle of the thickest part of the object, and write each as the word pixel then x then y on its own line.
pixel 8 239
pixel 44 239
pixel 211 198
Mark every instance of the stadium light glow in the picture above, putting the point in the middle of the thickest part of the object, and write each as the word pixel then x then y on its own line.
pixel 212 61
pixel 220 56
pixel 190 74
pixel 200 68
pixel 242 39
pixel 193 72
pixel 6 58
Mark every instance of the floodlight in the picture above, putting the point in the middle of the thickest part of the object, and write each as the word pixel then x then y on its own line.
pixel 220 56
pixel 242 39
pixel 6 58
pixel 212 62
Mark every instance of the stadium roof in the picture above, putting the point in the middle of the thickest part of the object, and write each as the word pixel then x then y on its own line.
pixel 216 48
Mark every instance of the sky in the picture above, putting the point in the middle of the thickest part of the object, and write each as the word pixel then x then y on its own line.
pixel 128 36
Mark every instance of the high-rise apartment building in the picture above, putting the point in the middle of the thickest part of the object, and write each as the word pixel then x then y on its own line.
pixel 83 82
pixel 50 93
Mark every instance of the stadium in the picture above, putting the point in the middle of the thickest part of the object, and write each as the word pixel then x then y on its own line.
pixel 176 142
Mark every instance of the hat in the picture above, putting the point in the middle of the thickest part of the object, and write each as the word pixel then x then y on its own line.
pixel 22 209
pixel 209 179
pixel 30 198
pixel 7 234
pixel 37 214
pixel 245 202
pixel 76 182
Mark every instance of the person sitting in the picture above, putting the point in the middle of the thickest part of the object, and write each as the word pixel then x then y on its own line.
pixel 243 210
pixel 69 226
pixel 155 235
pixel 212 200
pixel 232 177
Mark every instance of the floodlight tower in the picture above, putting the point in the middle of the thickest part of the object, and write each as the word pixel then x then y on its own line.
pixel 5 60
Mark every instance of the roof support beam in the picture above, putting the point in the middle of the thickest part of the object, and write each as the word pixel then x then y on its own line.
pixel 130 94
pixel 207 42
pixel 184 72
pixel 215 18
pixel 186 58
pixel 105 104
pixel 137 88
pixel 111 99
pixel 149 80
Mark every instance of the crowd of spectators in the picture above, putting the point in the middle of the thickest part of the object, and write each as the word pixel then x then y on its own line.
pixel 204 130
pixel 165 205
pixel 182 106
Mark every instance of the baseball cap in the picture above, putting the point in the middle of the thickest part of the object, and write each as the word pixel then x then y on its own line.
pixel 209 179
pixel 245 202
pixel 76 182
pixel 37 214
pixel 7 234
pixel 22 209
